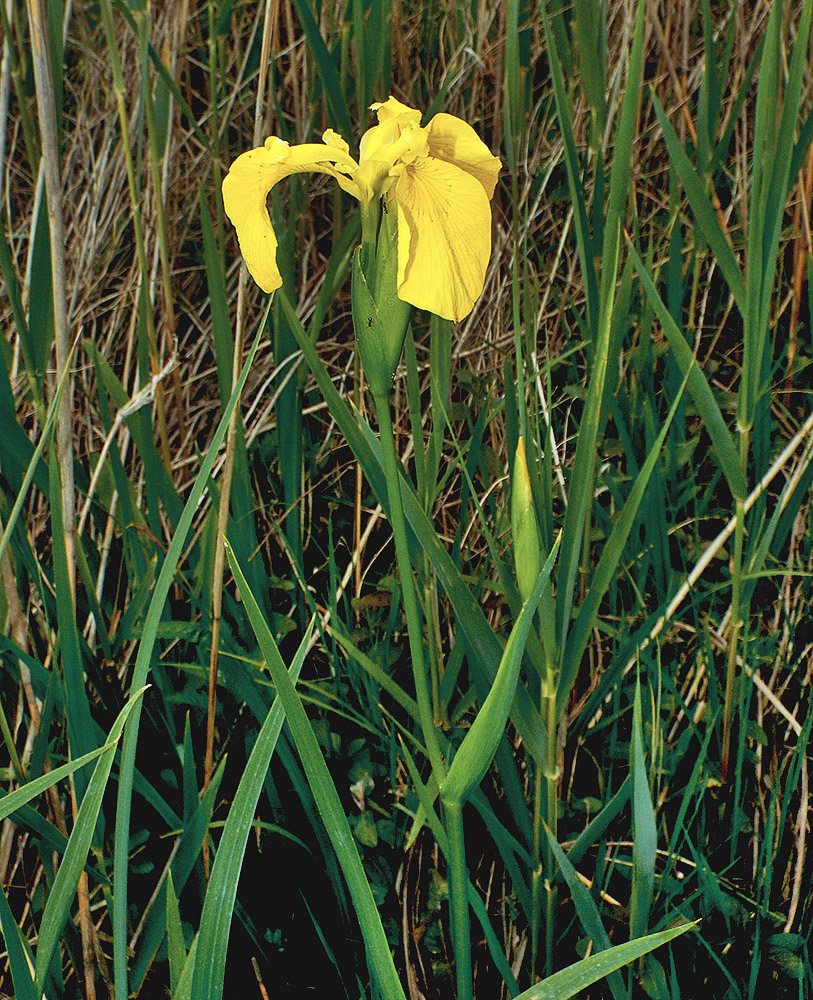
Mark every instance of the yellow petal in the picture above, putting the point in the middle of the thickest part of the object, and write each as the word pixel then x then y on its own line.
pixel 246 187
pixel 455 141
pixel 392 108
pixel 444 237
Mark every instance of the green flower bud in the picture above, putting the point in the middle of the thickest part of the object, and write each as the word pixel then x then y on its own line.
pixel 524 529
pixel 379 317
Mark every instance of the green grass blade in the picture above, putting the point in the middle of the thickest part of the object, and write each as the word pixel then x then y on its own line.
pixel 218 908
pixel 175 942
pixel 141 672
pixel 645 834
pixel 703 212
pixel 596 829
pixel 326 797
pixel 21 796
pixel 183 991
pixel 577 517
pixel 16 956
pixel 567 983
pixel 578 196
pixel 697 386
pixel 80 729
pixel 588 913
pixel 33 465
pixel 183 863
pixel 609 562
pixel 327 68
pixel 73 862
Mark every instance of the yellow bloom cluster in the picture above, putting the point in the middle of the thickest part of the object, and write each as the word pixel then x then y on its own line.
pixel 439 179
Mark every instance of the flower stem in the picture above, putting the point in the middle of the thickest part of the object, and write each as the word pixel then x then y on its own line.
pixel 735 623
pixel 414 628
pixel 552 779
pixel 458 899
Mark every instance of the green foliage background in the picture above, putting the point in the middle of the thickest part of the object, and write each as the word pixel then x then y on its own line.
pixel 643 335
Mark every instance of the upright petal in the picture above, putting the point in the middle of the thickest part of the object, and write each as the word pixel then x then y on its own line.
pixel 455 141
pixel 444 237
pixel 392 108
pixel 251 177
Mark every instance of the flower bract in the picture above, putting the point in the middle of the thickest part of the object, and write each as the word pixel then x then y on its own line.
pixel 439 179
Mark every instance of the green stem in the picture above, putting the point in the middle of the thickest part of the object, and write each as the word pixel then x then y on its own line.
pixel 735 624
pixel 536 872
pixel 458 900
pixel 414 628
pixel 552 779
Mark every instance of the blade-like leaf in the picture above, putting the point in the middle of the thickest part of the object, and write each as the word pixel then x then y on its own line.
pixel 64 887
pixel 218 907
pixel 326 797
pixel 645 834
pixel 703 212
pixel 141 671
pixel 697 386
pixel 477 749
pixel 567 983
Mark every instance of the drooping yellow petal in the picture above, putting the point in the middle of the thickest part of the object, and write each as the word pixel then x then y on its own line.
pixel 251 177
pixel 455 141
pixel 444 237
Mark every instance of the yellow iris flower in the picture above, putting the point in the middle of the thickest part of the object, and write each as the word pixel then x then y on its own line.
pixel 440 180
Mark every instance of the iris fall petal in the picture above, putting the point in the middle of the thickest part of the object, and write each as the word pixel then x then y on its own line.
pixel 444 237
pixel 455 141
pixel 246 187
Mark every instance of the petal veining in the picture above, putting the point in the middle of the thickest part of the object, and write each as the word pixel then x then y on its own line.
pixel 455 141
pixel 444 237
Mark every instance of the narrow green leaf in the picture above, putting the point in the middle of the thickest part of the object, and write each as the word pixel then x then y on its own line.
pixel 645 834
pixel 480 743
pixel 175 942
pixel 327 800
pixel 609 562
pixel 218 907
pixel 19 797
pixel 327 68
pixel 16 955
pixel 64 887
pixel 703 211
pixel 567 983
pixel 580 494
pixel 587 911
pixel 141 671
pixel 697 386
pixel 578 195
pixel 45 439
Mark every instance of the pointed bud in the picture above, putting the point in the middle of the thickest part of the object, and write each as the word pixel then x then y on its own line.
pixel 379 317
pixel 524 528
